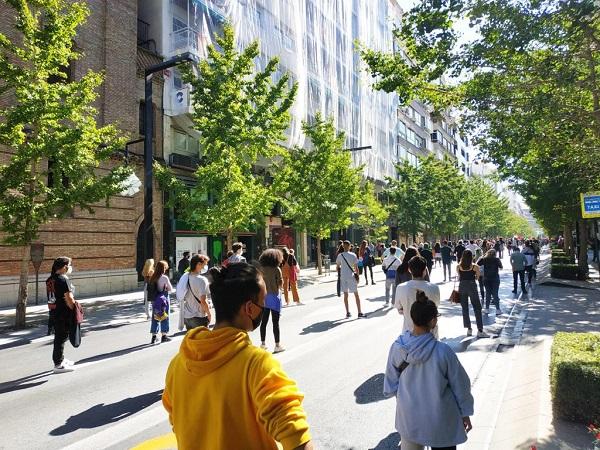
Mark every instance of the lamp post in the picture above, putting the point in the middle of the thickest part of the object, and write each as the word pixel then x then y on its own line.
pixel 148 151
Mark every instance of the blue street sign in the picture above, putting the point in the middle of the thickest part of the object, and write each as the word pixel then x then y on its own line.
pixel 590 205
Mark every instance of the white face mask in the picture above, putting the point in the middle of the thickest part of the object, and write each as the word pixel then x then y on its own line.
pixel 69 270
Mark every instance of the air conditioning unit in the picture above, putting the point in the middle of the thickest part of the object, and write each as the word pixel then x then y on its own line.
pixel 184 162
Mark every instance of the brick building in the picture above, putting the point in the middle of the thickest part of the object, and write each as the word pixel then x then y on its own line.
pixel 104 246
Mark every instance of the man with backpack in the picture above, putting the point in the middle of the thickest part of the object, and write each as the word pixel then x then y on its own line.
pixel 192 290
pixel 389 266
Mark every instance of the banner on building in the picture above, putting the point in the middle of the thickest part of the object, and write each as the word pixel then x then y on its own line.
pixel 590 205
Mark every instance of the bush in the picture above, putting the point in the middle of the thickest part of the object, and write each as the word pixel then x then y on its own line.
pixel 562 259
pixel 575 377
pixel 566 271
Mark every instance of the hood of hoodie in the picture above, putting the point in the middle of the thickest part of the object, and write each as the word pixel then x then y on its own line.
pixel 204 351
pixel 416 349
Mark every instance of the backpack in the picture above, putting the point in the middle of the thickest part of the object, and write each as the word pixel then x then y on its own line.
pixel 160 306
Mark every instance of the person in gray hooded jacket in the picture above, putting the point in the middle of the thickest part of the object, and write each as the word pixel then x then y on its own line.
pixel 432 389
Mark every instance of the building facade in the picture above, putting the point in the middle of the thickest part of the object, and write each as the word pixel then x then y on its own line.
pixel 105 247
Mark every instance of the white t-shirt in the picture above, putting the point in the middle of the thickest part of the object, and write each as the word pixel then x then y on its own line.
pixel 406 295
pixel 164 284
pixel 352 260
pixel 198 287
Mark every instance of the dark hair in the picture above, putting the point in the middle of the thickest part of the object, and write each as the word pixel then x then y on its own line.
pixel 197 259
pixel 445 242
pixel 347 242
pixel 423 310
pixel 466 260
pixel 410 252
pixel 231 287
pixel 59 263
pixel 186 254
pixel 392 250
pixel 286 253
pixel 403 247
pixel 271 257
pixel 417 265
pixel 236 246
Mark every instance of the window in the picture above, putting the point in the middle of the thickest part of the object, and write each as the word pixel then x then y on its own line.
pixel 402 129
pixel 185 144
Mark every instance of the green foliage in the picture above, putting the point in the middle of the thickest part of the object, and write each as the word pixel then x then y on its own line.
pixel 575 376
pixel 516 225
pixel 485 213
pixel 241 115
pixel 530 84
pixel 427 198
pixel 566 271
pixel 372 215
pixel 62 119
pixel 319 188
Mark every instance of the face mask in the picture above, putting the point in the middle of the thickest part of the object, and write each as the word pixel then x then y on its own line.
pixel 256 322
pixel 70 269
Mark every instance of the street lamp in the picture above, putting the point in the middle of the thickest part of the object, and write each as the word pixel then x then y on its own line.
pixel 148 151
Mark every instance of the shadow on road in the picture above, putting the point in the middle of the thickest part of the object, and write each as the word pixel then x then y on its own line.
pixel 319 327
pixel 101 414
pixel 370 391
pixel 391 442
pixel 24 383
pixel 124 351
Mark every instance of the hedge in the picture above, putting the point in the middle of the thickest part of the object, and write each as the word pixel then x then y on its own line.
pixel 566 271
pixel 562 259
pixel 575 377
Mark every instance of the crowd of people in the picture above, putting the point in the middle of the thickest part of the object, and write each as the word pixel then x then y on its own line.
pixel 424 374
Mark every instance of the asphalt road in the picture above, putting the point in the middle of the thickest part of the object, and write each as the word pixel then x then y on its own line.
pixel 112 400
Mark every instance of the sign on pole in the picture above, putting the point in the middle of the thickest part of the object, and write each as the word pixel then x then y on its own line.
pixel 590 205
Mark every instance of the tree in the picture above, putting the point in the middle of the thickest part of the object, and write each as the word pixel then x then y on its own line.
pixel 318 186
pixel 372 215
pixel 427 197
pixel 531 86
pixel 241 115
pixel 484 212
pixel 50 128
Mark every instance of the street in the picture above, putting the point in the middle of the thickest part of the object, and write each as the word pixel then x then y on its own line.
pixel 112 400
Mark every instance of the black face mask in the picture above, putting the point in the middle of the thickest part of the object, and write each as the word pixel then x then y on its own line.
pixel 256 322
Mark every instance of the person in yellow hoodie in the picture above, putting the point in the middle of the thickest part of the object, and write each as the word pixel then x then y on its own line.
pixel 221 391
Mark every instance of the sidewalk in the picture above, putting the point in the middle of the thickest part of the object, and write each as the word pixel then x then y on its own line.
pixel 513 401
pixel 105 311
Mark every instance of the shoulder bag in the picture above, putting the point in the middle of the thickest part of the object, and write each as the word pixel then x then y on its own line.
pixel 356 276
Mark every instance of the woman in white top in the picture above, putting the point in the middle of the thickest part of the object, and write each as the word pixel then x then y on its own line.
pixel 159 287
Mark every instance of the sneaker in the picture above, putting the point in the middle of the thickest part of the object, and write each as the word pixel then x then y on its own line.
pixel 62 368
pixel 469 332
pixel 498 312
pixel 386 303
pixel 348 315
pixel 153 340
pixel 263 346
pixel 165 338
pixel 362 315
pixel 372 282
pixel 278 349
pixel 299 303
pixel 482 334
pixel 68 362
pixel 514 292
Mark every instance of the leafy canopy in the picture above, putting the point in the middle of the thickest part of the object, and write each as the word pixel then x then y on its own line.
pixel 319 187
pixel 61 118
pixel 241 114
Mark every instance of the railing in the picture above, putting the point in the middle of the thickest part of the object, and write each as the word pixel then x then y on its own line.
pixel 192 40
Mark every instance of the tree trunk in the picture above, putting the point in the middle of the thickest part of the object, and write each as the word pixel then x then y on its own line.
pixel 582 257
pixel 568 239
pixel 229 239
pixel 319 260
pixel 23 279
